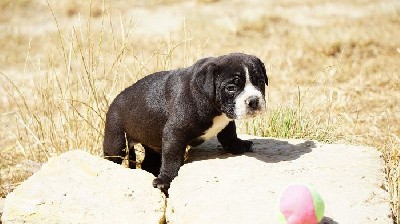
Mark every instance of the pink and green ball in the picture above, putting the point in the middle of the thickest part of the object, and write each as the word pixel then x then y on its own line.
pixel 300 204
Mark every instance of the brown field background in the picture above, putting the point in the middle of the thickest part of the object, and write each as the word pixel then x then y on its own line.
pixel 334 69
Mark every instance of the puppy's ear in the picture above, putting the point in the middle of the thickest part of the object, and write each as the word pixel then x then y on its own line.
pixel 204 77
pixel 263 70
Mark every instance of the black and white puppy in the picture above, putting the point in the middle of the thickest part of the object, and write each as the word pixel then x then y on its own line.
pixel 169 110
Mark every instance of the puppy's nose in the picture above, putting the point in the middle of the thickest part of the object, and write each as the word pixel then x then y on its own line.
pixel 253 102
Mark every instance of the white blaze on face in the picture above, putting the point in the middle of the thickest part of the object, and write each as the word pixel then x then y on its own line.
pixel 241 102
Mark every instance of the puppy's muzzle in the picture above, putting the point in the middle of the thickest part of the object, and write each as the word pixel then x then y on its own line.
pixel 254 104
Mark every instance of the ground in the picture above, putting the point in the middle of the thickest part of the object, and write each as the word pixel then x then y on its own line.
pixel 333 69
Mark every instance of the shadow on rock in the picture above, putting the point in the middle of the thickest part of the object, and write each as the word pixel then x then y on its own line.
pixel 327 220
pixel 266 150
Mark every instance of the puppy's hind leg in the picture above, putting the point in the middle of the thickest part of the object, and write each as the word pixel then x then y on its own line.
pixel 131 154
pixel 114 144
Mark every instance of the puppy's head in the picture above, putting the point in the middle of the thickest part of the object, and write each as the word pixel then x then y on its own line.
pixel 235 84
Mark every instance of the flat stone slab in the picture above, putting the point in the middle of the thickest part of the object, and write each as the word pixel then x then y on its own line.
pixel 77 187
pixel 216 187
pixel 212 187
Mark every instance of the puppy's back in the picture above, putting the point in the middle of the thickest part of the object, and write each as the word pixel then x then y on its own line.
pixel 141 109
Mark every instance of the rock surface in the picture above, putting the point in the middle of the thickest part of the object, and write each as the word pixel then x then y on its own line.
pixel 77 187
pixel 212 187
pixel 220 188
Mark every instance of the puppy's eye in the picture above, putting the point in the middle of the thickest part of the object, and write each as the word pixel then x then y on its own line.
pixel 231 88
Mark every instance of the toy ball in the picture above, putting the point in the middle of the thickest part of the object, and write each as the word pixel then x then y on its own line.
pixel 300 204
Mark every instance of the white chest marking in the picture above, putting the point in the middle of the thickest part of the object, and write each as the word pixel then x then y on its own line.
pixel 219 123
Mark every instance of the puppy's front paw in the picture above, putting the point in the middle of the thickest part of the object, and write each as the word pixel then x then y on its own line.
pixel 239 147
pixel 162 184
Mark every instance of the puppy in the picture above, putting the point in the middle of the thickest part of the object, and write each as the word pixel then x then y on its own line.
pixel 169 110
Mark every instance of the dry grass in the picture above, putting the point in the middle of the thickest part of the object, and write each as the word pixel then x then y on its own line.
pixel 336 81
